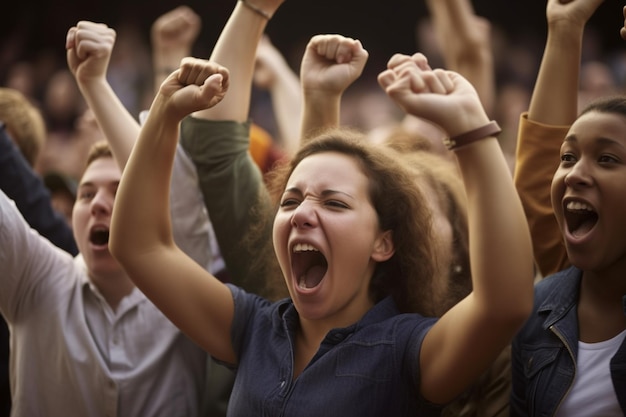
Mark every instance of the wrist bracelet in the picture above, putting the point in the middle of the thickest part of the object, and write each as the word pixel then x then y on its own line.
pixel 256 9
pixel 490 129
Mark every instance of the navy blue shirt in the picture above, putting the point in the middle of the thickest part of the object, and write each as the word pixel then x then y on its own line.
pixel 368 369
pixel 21 183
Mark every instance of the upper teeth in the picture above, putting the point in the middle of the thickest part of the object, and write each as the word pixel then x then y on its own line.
pixel 576 205
pixel 302 247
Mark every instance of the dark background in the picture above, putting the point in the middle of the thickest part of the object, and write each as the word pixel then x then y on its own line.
pixel 384 26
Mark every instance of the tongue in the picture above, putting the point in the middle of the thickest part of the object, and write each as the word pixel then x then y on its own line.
pixel 584 228
pixel 313 276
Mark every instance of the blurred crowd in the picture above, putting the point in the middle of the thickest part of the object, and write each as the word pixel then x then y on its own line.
pixel 44 79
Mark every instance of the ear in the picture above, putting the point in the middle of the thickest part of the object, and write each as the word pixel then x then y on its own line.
pixel 384 247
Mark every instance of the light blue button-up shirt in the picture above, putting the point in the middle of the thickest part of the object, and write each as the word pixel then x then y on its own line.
pixel 71 354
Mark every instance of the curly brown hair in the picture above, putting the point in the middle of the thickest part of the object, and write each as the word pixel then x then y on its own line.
pixel 399 205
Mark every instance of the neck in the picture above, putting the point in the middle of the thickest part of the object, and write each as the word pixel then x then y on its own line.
pixel 113 287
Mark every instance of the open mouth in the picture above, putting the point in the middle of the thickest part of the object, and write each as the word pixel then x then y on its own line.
pixel 580 218
pixel 308 265
pixel 99 236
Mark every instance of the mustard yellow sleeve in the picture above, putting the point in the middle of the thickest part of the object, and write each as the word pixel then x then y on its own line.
pixel 537 158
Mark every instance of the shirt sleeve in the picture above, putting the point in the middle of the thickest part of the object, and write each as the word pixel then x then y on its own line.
pixel 234 194
pixel 28 263
pixel 537 158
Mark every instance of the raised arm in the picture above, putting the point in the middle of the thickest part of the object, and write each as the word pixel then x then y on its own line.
pixel 465 40
pixel 172 36
pixel 89 46
pixel 466 340
pixel 553 107
pixel 217 140
pixel 331 63
pixel 273 73
pixel 236 50
pixel 141 235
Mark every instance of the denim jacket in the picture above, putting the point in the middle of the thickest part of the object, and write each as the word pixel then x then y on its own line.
pixel 545 350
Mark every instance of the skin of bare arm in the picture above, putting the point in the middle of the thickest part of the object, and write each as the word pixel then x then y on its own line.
pixel 272 73
pixel 466 340
pixel 554 98
pixel 172 37
pixel 236 50
pixel 331 63
pixel 89 46
pixel 141 236
pixel 466 45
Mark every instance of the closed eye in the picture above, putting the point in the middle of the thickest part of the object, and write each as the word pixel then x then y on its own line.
pixel 336 204
pixel 288 202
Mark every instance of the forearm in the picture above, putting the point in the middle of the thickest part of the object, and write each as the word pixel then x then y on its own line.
pixel 143 196
pixel 236 50
pixel 117 124
pixel 555 96
pixel 500 246
pixel 320 110
pixel 164 62
pixel 287 104
pixel 466 45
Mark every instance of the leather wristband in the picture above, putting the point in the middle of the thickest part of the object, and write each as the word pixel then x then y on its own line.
pixel 256 9
pixel 490 129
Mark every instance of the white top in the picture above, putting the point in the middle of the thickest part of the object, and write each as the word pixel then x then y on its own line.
pixel 592 393
pixel 71 355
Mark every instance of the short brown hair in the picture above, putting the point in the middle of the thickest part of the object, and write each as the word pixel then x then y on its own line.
pixel 99 149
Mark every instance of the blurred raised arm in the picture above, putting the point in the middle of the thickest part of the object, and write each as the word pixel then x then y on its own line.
pixel 89 46
pixel 273 73
pixel 172 37
pixel 465 40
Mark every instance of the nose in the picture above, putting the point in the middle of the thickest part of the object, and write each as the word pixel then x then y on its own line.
pixel 305 215
pixel 102 203
pixel 579 175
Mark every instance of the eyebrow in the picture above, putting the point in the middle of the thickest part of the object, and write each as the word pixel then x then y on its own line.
pixel 93 184
pixel 600 141
pixel 324 193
